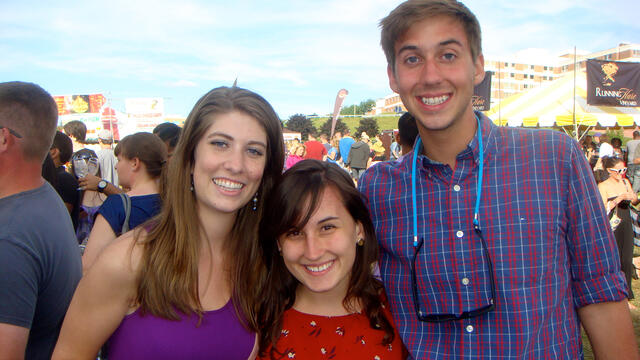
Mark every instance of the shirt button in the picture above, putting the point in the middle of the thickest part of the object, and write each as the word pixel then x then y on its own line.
pixel 456 187
pixel 469 328
pixel 465 281
pixel 460 234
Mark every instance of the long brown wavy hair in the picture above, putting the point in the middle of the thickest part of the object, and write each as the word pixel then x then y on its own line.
pixel 296 198
pixel 169 267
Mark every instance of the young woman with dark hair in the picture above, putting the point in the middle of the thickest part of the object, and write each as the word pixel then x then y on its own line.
pixel 185 284
pixel 321 298
pixel 618 196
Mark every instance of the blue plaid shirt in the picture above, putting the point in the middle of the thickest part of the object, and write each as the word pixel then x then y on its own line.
pixel 546 232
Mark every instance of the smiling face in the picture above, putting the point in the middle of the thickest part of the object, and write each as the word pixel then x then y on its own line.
pixel 229 161
pixel 321 255
pixel 434 73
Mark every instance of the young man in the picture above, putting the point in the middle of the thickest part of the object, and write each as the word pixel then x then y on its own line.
pixel 39 257
pixel 77 131
pixel 632 145
pixel 407 133
pixel 67 185
pixel 345 145
pixel 107 158
pixel 502 247
pixel 315 149
pixel 358 158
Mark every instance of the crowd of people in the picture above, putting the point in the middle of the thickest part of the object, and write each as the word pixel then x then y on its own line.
pixel 353 155
pixel 217 240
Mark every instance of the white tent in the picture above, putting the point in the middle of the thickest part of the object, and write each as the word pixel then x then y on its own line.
pixel 552 104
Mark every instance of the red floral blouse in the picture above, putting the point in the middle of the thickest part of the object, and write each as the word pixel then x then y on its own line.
pixel 306 336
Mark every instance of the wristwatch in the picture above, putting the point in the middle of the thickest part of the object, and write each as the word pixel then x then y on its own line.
pixel 102 184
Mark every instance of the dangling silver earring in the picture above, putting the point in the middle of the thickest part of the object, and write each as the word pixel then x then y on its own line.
pixel 191 188
pixel 255 202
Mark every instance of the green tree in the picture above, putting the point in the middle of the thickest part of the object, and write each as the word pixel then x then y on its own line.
pixel 301 124
pixel 368 125
pixel 326 127
pixel 366 106
pixel 360 109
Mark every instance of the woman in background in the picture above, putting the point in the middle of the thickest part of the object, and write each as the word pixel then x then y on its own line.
pixel 183 286
pixel 618 196
pixel 90 200
pixel 141 158
pixel 297 155
pixel 321 299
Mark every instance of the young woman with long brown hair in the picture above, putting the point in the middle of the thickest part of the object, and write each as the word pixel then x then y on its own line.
pixel 184 285
pixel 321 299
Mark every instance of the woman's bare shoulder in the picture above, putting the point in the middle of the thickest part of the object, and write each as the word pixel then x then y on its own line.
pixel 121 259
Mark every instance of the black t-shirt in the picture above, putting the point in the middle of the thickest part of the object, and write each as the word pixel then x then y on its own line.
pixel 67 188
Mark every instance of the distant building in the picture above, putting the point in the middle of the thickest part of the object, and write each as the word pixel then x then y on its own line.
pixel 520 72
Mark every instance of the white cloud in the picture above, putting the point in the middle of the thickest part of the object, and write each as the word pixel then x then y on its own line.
pixel 183 83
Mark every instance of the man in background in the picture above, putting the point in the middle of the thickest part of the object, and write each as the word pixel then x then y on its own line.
pixel 106 158
pixel 77 131
pixel 632 145
pixel 39 257
pixel 407 132
pixel 315 149
pixel 345 145
pixel 67 184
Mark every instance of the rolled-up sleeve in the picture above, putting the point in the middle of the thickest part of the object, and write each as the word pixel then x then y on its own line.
pixel 593 254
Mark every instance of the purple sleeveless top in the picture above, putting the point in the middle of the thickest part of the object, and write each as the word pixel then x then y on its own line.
pixel 220 335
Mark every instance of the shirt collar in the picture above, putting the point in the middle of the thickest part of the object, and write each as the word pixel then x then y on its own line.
pixel 488 135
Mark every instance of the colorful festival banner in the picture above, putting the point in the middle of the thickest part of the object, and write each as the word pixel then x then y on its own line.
pixel 336 108
pixel 613 83
pixel 482 94
pixel 85 108
pixel 79 104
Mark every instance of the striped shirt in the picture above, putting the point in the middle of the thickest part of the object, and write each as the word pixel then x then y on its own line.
pixel 546 232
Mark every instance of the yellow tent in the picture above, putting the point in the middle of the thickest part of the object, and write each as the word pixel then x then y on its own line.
pixel 552 105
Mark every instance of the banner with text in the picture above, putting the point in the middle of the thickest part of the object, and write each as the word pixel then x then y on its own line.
pixel 482 94
pixel 613 83
pixel 144 114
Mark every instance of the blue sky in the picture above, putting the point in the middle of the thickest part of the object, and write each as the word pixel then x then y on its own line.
pixel 297 54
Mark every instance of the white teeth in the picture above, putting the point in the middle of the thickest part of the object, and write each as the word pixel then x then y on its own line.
pixel 232 185
pixel 435 100
pixel 319 268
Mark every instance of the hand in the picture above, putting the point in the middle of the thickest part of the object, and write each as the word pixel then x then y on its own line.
pixel 89 182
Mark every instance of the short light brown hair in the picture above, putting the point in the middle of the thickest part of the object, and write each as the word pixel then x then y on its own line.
pixel 411 12
pixel 30 111
pixel 148 148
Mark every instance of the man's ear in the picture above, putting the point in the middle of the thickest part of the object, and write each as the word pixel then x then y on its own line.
pixel 5 140
pixel 392 79
pixel 478 75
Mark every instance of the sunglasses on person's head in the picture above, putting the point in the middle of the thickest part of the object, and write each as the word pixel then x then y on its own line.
pixel 619 171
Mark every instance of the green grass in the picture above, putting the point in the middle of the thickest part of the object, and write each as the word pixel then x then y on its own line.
pixel 635 316
pixel 384 122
